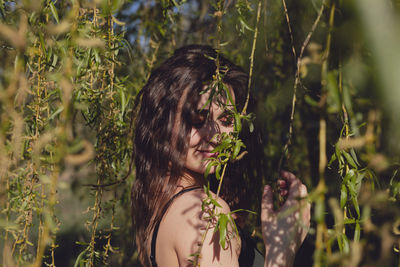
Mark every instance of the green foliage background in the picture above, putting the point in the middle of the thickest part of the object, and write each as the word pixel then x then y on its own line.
pixel 70 71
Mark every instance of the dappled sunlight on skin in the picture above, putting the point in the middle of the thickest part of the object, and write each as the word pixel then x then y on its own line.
pixel 208 122
pixel 208 132
pixel 285 229
pixel 198 220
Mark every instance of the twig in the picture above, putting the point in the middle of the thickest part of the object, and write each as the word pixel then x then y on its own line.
pixel 290 29
pixel 297 76
pixel 253 49
pixel 222 178
pixel 220 12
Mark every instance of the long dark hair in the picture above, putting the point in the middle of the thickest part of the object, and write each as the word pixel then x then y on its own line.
pixel 162 128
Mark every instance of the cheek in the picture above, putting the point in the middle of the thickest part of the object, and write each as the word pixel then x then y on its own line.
pixel 194 138
pixel 227 129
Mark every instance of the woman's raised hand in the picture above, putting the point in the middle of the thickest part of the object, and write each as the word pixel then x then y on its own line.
pixel 284 229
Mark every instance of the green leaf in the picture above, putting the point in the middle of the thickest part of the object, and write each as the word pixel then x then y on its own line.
pixel 97 56
pixel 232 222
pixel 347 98
pixel 349 159
pixel 222 227
pixel 218 171
pixel 210 58
pixel 215 202
pixel 245 25
pixel 333 99
pixel 338 154
pixel 207 189
pixel 333 159
pixel 58 111
pixel 54 63
pixel 358 181
pixel 224 144
pixel 349 221
pixel 357 232
pixel 208 168
pixel 340 243
pixel 42 45
pixel 343 196
pixel 309 100
pixel 54 11
pixel 238 123
pixel 356 206
pixel 352 189
pixel 346 246
pixel 249 211
pixel 80 256
pixel 354 156
pixel 236 150
pixel 319 211
pixel 229 95
pixel 251 127
pixel 349 175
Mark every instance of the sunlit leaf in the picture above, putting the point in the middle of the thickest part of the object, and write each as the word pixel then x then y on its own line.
pixel 343 196
pixel 357 232
pixel 218 172
pixel 238 123
pixel 223 231
pixel 349 159
pixel 54 11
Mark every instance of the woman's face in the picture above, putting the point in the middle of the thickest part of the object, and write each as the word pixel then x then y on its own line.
pixel 208 121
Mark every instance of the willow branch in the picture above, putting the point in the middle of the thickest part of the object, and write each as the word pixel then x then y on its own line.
pixel 253 49
pixel 297 76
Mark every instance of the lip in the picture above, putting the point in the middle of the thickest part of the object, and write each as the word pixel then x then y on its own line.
pixel 207 154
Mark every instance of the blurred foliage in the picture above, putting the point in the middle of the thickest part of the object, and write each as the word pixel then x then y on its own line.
pixel 70 71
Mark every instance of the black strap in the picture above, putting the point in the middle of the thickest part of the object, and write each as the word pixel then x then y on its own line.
pixel 155 232
pixel 247 249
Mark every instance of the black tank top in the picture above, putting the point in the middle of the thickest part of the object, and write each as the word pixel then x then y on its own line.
pixel 249 255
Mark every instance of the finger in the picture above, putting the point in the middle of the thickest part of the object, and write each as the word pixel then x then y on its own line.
pixel 267 205
pixel 283 192
pixel 282 184
pixel 288 176
pixel 303 191
pixel 295 190
pixel 306 214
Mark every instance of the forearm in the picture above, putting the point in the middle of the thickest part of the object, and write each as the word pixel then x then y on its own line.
pixel 278 257
pixel 284 229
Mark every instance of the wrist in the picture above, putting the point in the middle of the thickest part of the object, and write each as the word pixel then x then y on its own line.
pixel 276 256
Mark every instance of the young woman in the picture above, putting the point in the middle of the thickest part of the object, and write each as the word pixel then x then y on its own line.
pixel 174 136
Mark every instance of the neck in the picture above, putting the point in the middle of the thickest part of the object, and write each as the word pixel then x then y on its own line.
pixel 190 178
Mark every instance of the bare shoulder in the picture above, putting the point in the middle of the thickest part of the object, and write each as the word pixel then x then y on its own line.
pixel 185 227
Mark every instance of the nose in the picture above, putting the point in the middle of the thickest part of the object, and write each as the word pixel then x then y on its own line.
pixel 210 131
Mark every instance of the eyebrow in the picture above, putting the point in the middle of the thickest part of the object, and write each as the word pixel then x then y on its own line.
pixel 226 113
pixel 203 111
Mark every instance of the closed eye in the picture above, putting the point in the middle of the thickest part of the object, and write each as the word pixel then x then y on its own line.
pixel 226 119
pixel 200 118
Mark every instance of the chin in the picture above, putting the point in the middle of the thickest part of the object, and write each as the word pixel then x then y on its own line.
pixel 201 170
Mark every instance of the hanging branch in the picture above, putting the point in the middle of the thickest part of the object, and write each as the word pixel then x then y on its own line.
pixel 297 75
pixel 253 49
pixel 233 148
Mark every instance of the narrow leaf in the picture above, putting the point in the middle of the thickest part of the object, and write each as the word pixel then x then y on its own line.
pixel 238 123
pixel 346 246
pixel 357 232
pixel 223 224
pixel 54 11
pixel 343 196
pixel 349 159
pixel 236 150
pixel 218 171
